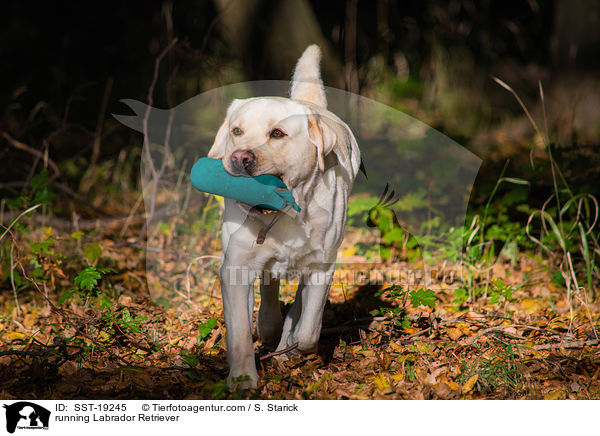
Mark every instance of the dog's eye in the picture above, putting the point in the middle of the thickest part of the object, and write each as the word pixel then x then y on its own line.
pixel 236 131
pixel 277 133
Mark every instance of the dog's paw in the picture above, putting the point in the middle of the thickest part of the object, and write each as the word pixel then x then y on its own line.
pixel 244 381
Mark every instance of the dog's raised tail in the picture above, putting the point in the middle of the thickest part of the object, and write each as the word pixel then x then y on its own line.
pixel 306 82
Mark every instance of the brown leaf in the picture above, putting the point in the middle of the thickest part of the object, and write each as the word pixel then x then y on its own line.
pixel 454 333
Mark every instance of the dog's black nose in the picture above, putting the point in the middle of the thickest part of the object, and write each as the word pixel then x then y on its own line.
pixel 243 161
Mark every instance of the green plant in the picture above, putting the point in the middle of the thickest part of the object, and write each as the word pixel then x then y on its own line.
pixel 37 192
pixel 189 358
pixel 219 390
pixel 377 212
pixel 567 221
pixel 502 372
pixel 118 319
pixel 422 297
pixel 399 297
pixel 206 328
pixel 86 283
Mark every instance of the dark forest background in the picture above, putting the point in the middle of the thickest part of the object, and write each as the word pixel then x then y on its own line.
pixel 66 65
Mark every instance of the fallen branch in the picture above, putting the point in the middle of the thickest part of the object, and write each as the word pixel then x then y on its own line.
pixel 495 329
pixel 574 344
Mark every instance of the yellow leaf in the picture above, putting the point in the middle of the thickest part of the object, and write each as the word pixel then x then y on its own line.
pixel 48 232
pixel 454 333
pixel 350 251
pixel 531 305
pixel 312 388
pixel 470 383
pixel 453 385
pixel 397 377
pixel 13 336
pixel 381 382
pixel 558 394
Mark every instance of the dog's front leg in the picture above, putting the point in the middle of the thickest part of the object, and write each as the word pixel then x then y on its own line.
pixel 238 303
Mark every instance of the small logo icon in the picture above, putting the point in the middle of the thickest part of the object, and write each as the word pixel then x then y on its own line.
pixel 26 415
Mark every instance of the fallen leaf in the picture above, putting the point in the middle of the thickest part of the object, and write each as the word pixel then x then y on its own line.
pixel 382 383
pixel 453 385
pixel 531 305
pixel 395 347
pixel 13 336
pixel 454 333
pixel 350 251
pixel 470 383
pixel 442 390
pixel 558 394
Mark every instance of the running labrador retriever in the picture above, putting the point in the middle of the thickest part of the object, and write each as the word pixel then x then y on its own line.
pixel 316 155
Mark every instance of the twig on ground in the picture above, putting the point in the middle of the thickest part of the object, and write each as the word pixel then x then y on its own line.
pixel 277 353
pixel 495 329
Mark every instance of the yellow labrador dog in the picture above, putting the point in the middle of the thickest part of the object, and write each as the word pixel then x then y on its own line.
pixel 316 155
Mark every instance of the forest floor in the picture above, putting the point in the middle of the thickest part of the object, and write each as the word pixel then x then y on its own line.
pixel 99 334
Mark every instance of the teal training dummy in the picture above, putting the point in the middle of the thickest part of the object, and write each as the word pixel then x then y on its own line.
pixel 266 191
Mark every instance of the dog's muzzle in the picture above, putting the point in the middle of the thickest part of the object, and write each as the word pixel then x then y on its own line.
pixel 243 162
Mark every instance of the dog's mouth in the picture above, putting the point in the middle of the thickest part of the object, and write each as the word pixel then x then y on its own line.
pixel 253 210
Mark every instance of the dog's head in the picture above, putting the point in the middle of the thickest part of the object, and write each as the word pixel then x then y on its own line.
pixel 287 138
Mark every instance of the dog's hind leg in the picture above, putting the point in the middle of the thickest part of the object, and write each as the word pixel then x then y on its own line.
pixel 291 320
pixel 269 322
pixel 313 298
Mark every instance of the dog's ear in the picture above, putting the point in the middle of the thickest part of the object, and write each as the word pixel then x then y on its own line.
pixel 322 135
pixel 306 82
pixel 219 147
